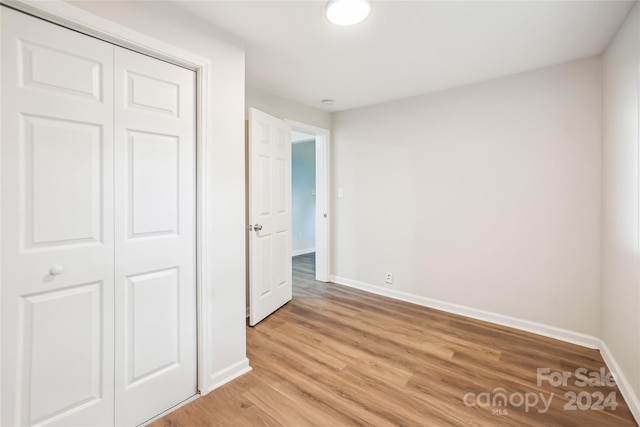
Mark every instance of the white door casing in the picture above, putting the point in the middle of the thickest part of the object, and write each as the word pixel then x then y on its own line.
pixel 322 208
pixel 154 236
pixel 270 285
pixel 57 225
pixel 58 228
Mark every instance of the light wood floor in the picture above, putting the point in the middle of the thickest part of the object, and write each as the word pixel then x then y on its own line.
pixel 335 356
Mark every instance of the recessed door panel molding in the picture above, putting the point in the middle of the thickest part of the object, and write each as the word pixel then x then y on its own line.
pixel 61 176
pixel 50 68
pixel 264 133
pixel 264 170
pixel 283 138
pixel 154 236
pixel 153 174
pixel 266 266
pixel 153 306
pixel 153 94
pixel 281 262
pixel 57 247
pixel 270 214
pixel 280 188
pixel 61 352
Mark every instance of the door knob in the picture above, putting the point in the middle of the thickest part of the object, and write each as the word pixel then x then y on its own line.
pixel 56 270
pixel 257 227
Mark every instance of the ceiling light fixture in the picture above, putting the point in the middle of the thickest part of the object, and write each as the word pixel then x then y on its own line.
pixel 347 12
pixel 327 101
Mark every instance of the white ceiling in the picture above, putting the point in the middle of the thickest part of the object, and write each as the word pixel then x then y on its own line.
pixel 405 48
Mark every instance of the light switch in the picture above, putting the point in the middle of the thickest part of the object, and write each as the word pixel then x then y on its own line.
pixel 340 193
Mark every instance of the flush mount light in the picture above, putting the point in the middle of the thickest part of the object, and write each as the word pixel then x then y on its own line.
pixel 347 12
pixel 327 101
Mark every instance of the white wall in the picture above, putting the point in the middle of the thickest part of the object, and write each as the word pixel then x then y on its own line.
pixel 303 202
pixel 286 109
pixel 620 215
pixel 486 196
pixel 226 292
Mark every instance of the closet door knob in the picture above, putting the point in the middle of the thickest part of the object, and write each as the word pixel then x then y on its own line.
pixel 56 270
pixel 257 227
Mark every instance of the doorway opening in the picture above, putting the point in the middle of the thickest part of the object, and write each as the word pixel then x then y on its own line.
pixel 303 193
pixel 270 219
pixel 310 202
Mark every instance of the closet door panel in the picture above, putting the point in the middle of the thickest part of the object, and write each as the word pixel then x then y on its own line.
pixel 155 236
pixel 57 262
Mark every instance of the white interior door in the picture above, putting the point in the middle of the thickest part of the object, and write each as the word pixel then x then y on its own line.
pixel 57 245
pixel 270 284
pixel 155 236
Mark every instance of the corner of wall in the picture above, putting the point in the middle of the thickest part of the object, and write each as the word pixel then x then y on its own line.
pixel 629 395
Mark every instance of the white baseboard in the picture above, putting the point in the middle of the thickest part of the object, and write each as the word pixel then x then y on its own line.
pixel 223 376
pixel 566 335
pixel 621 381
pixel 500 319
pixel 302 251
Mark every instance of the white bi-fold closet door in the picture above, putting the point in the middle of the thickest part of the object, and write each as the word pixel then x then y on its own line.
pixel 97 256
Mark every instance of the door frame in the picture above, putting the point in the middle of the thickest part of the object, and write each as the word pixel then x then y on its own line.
pixel 59 12
pixel 323 207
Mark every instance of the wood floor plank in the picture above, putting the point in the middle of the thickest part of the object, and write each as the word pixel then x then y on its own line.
pixel 337 356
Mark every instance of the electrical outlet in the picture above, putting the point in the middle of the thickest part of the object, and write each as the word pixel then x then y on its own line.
pixel 388 278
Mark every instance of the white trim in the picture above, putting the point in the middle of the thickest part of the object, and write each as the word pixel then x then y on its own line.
pixel 62 13
pixel 499 319
pixel 203 124
pixel 302 251
pixel 68 15
pixel 621 381
pixel 635 406
pixel 223 376
pixel 323 200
